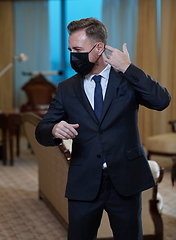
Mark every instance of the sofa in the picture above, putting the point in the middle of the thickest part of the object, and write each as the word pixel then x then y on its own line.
pixel 53 164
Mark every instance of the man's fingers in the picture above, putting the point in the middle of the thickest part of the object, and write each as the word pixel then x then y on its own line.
pixel 70 129
pixel 109 48
pixel 64 130
pixel 118 59
pixel 124 47
pixel 64 134
pixel 75 125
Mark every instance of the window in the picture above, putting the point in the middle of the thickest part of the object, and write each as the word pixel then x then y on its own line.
pixel 73 10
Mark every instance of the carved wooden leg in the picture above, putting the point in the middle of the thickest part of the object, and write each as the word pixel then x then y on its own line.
pixel 3 126
pixel 156 217
pixel 14 122
pixel 173 170
pixel 155 214
pixel 11 147
pixel 4 147
pixel 18 141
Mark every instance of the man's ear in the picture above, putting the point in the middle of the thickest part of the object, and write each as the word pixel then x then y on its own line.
pixel 100 48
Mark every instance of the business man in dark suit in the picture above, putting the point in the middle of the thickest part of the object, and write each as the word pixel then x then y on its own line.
pixel 98 109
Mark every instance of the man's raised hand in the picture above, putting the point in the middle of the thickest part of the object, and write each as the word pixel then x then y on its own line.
pixel 120 60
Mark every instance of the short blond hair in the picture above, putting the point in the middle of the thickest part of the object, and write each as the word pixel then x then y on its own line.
pixel 94 29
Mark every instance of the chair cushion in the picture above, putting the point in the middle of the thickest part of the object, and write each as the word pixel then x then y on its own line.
pixel 162 143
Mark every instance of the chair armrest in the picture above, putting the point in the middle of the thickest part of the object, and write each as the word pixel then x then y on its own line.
pixel 152 205
pixel 157 171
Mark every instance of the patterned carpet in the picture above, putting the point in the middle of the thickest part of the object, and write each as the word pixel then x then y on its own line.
pixel 24 217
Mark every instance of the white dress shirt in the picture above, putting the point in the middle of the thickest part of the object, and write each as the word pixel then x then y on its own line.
pixel 89 84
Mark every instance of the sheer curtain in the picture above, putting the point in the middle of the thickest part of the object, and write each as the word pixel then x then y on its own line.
pixel 121 18
pixel 32 38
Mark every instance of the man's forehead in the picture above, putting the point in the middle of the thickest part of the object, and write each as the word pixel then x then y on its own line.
pixel 79 39
pixel 79 35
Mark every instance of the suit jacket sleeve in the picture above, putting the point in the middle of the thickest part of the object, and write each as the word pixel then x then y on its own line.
pixel 55 114
pixel 149 92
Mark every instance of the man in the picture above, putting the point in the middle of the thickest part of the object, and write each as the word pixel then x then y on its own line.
pixel 97 108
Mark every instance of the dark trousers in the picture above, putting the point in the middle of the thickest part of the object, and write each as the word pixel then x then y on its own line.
pixel 124 214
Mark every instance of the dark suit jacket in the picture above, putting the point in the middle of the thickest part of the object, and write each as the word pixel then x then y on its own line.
pixel 116 136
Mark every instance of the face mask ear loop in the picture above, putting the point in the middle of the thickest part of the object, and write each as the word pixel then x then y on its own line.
pixel 104 49
pixel 92 48
pixel 102 52
pixel 95 46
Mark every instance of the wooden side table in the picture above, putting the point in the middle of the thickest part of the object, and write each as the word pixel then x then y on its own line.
pixel 13 128
pixel 10 123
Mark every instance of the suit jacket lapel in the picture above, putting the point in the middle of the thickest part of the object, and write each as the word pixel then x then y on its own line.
pixel 78 85
pixel 114 81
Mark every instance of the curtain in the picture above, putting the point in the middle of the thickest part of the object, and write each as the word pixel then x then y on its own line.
pixel 162 68
pixel 168 58
pixel 120 18
pixel 6 54
pixel 147 59
pixel 31 38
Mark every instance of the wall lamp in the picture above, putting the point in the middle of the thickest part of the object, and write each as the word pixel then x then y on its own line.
pixel 21 58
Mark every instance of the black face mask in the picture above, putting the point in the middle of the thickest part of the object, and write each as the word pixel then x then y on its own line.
pixel 80 62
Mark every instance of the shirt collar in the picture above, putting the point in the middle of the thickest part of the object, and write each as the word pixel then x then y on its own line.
pixel 104 73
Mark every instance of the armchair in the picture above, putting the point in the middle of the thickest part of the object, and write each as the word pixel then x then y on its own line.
pixel 164 145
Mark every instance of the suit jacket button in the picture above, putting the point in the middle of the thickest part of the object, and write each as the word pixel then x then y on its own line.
pixel 98 156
